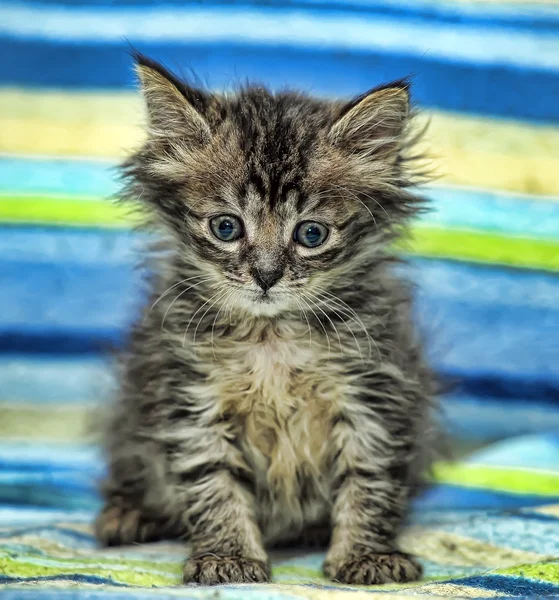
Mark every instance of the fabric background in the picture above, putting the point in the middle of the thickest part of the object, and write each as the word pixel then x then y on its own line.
pixel 486 259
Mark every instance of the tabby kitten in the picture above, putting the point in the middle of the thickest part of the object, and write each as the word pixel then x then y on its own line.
pixel 274 391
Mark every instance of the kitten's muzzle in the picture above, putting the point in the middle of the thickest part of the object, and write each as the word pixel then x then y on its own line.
pixel 266 278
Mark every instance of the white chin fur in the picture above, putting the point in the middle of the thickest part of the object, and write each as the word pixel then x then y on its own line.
pixel 259 307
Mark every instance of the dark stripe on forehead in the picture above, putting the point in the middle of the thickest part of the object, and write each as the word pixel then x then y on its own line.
pixel 291 186
pixel 275 189
pixel 256 180
pixel 302 201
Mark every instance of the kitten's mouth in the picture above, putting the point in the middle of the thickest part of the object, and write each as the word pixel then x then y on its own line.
pixel 265 303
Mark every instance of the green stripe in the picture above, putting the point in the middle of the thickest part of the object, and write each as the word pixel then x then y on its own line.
pixel 18 567
pixel 427 240
pixel 479 246
pixel 499 479
pixel 62 211
pixel 541 571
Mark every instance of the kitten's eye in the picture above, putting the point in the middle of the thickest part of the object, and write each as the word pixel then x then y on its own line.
pixel 226 228
pixel 310 234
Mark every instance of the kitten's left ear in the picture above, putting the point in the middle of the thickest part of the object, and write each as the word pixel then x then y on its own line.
pixel 173 108
pixel 373 124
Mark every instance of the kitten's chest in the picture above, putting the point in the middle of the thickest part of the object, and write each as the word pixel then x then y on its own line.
pixel 282 396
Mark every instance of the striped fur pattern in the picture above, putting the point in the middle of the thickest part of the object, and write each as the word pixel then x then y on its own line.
pixel 295 412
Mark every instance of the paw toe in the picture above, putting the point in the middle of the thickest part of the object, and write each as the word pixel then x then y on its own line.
pixel 213 570
pixel 372 569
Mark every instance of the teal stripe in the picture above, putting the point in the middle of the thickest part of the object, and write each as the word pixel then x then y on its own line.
pixel 510 214
pixel 462 208
pixel 79 178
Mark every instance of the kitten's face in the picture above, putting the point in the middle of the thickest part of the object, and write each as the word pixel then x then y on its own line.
pixel 269 250
pixel 271 194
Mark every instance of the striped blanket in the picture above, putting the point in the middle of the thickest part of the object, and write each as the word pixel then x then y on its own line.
pixel 490 528
pixel 486 261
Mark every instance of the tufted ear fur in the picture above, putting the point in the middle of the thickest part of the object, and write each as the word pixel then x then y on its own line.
pixel 373 124
pixel 174 109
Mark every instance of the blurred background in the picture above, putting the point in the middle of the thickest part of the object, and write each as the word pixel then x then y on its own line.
pixel 486 259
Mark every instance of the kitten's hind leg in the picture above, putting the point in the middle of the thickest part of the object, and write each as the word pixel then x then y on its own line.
pixel 122 524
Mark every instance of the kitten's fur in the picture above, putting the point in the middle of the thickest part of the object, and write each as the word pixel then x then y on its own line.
pixel 245 420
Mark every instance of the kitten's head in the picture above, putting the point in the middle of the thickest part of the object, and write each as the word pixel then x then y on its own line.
pixel 275 197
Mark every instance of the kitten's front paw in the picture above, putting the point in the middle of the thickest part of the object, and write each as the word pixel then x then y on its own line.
pixel 213 570
pixel 372 569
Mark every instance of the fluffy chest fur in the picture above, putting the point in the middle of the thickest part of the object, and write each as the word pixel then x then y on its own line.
pixel 282 394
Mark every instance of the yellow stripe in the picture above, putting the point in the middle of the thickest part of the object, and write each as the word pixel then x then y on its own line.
pixel 500 479
pixel 468 150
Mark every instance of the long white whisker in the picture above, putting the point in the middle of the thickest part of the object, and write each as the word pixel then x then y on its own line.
pixel 327 302
pixel 354 317
pixel 361 202
pixel 215 320
pixel 302 311
pixel 320 323
pixel 377 203
pixel 223 294
pixel 192 317
pixel 309 297
pixel 168 290
pixel 194 285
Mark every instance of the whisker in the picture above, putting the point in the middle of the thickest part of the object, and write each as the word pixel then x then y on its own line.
pixel 355 317
pixel 361 202
pixel 223 294
pixel 357 345
pixel 215 321
pixel 195 285
pixel 197 311
pixel 309 297
pixel 172 288
pixel 378 204
pixel 302 312
pixel 320 323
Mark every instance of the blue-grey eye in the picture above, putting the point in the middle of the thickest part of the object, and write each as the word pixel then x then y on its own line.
pixel 226 228
pixel 310 234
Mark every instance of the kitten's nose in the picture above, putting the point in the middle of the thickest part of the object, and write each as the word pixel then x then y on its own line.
pixel 266 278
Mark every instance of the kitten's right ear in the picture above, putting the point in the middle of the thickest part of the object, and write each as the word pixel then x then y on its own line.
pixel 173 109
pixel 374 123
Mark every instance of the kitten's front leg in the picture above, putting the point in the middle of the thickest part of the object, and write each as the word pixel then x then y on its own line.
pixel 370 499
pixel 226 541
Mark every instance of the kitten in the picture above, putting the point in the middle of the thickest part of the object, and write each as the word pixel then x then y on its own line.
pixel 274 391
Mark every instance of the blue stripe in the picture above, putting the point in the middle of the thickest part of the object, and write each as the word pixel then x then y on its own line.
pixel 513 586
pixel 482 418
pixel 50 531
pixel 526 452
pixel 48 497
pixel 534 18
pixel 97 248
pixel 63 456
pixel 438 83
pixel 284 26
pixel 508 529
